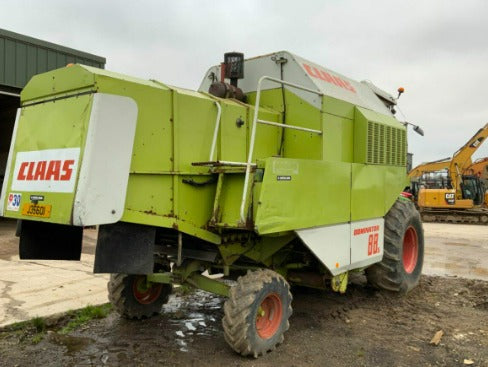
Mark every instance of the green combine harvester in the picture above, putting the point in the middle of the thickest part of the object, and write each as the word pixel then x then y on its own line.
pixel 277 172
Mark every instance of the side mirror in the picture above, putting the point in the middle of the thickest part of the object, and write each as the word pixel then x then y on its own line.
pixel 418 130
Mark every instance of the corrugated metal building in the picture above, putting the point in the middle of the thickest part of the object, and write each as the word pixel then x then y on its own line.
pixel 21 57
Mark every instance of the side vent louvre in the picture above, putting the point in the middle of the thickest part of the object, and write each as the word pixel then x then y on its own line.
pixel 386 145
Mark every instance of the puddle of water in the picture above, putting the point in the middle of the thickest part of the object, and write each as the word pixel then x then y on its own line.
pixel 187 314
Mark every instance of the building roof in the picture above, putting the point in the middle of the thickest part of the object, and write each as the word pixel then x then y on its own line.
pixel 22 56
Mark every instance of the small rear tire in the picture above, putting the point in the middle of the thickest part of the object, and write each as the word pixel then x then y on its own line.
pixel 256 313
pixel 134 298
pixel 403 256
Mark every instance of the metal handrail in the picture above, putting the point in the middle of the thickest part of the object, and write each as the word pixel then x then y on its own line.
pixel 293 127
pixel 253 134
pixel 216 131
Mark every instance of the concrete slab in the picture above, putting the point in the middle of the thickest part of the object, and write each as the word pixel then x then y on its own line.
pixel 39 288
pixel 456 250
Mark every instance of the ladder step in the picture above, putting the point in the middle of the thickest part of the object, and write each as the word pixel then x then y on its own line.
pixel 223 164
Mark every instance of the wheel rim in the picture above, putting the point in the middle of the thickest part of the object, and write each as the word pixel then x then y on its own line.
pixel 269 316
pixel 410 250
pixel 144 292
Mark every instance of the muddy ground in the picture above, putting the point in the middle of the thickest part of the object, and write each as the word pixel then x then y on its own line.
pixel 364 327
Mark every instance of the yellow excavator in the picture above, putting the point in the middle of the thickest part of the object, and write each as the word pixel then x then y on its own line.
pixel 452 189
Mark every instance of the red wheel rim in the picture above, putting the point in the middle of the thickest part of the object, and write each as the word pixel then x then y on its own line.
pixel 410 250
pixel 144 292
pixel 269 316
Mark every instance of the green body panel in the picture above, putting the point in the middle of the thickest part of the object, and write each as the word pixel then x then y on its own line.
pixel 338 121
pixel 372 188
pixel 195 114
pixel 155 199
pixel 51 125
pixel 296 144
pixel 285 205
pixel 268 138
pixel 338 107
pixel 338 138
pixel 228 214
pixel 299 144
pixel 234 147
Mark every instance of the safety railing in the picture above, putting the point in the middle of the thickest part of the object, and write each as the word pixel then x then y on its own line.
pixel 255 121
pixel 216 131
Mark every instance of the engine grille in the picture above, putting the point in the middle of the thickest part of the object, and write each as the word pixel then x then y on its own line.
pixel 386 145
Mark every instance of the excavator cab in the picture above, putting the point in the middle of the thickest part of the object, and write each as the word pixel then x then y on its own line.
pixel 473 188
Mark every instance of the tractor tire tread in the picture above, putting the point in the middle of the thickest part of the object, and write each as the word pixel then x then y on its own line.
pixel 389 274
pixel 238 308
pixel 119 295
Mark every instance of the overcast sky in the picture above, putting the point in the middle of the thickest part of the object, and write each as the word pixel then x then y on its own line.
pixel 437 50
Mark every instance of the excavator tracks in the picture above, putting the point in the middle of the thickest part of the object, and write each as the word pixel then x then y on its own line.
pixel 472 216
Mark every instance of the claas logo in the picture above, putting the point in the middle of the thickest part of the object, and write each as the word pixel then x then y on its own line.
pixel 329 78
pixel 54 170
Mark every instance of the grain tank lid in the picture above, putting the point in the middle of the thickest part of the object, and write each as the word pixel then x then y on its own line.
pixel 75 78
pixel 56 82
pixel 100 73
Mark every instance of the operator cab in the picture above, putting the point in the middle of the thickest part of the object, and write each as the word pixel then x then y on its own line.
pixel 473 188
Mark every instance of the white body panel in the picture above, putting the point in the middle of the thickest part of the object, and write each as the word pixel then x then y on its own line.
pixel 330 244
pixel 9 163
pixel 104 173
pixel 346 246
pixel 367 239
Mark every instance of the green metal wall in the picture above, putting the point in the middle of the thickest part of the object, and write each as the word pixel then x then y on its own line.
pixel 21 57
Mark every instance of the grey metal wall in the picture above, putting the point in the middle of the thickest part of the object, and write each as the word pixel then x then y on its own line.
pixel 21 57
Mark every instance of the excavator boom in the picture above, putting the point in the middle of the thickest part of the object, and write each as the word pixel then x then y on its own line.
pixel 461 160
pixel 433 166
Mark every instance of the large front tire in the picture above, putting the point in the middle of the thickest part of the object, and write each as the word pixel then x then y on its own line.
pixel 133 298
pixel 256 313
pixel 403 256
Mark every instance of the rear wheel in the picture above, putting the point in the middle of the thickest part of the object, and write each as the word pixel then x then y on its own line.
pixel 403 257
pixel 135 298
pixel 257 312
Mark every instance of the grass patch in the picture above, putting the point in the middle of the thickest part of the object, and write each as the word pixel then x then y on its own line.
pixel 36 339
pixel 33 330
pixel 17 326
pixel 39 324
pixel 80 317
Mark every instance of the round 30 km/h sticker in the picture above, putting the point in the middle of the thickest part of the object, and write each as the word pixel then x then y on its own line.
pixel 13 202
